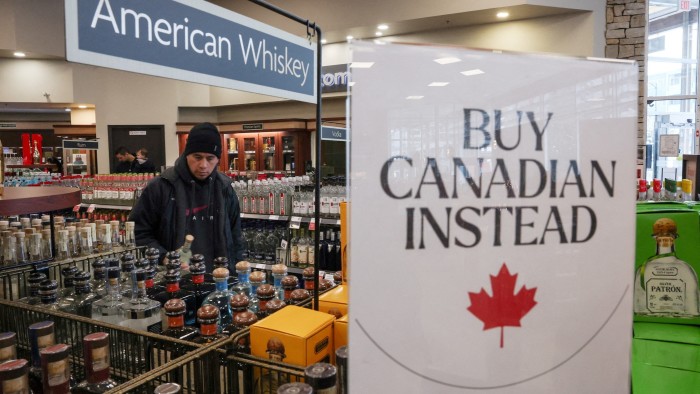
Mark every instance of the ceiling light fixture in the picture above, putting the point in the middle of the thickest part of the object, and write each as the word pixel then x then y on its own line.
pixel 414 97
pixel 82 106
pixel 469 73
pixel 20 54
pixel 67 109
pixel 438 84
pixel 378 34
pixel 361 64
pixel 323 41
pixel 349 38
pixel 502 14
pixel 447 60
pixel 382 26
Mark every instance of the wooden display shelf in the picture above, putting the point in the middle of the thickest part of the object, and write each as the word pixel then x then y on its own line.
pixel 26 200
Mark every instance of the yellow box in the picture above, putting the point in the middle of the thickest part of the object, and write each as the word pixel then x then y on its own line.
pixel 340 332
pixel 334 298
pixel 344 239
pixel 294 335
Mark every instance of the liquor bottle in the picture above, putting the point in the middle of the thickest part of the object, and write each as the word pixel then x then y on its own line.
pixel 99 277
pixel 81 303
pixel 36 156
pixel 298 296
pixel 274 305
pixel 666 285
pixel 265 293
pixel 311 249
pixel 242 346
pixel 239 304
pixel 108 308
pixel 221 262
pixel 243 285
pixel 153 257
pixel 151 287
pixel 48 292
pixel 303 249
pixel 176 309
pixel 96 357
pixel 8 346
pixel 34 279
pixel 295 388
pixel 127 267
pixel 256 279
pixel 21 252
pixel 67 274
pixel 341 361
pixel 289 284
pixel 41 335
pixel 141 312
pixel 294 249
pixel 221 297
pixel 172 290
pixel 14 377
pixel 321 377
pixel 208 319
pixel 196 284
pixel 186 256
pixel 55 367
pixel 279 271
pixel 308 277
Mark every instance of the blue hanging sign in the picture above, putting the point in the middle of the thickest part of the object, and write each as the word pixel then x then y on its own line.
pixel 192 41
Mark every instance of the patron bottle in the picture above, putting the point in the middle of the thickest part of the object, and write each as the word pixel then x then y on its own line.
pixel 41 335
pixel 221 262
pixel 221 297
pixel 208 319
pixel 172 290
pixel 289 284
pixel 265 293
pixel 242 346
pixel 239 303
pixel 298 296
pixel 308 276
pixel 8 346
pixel 151 287
pixel 279 271
pixel 175 310
pixel 81 303
pixel 96 357
pixel 14 377
pixel 243 285
pixel 666 285
pixel 197 285
pixel 256 278
pixel 55 367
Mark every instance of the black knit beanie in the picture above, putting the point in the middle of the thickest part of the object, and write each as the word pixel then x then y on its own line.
pixel 204 138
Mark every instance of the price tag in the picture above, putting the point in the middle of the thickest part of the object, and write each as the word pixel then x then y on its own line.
pixel 283 244
pixel 76 208
pixel 295 222
pixel 312 225
pixel 91 208
pixel 260 266
pixel 328 277
pixel 321 273
pixel 274 217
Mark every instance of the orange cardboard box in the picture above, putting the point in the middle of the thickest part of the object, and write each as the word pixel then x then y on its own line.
pixel 334 298
pixel 340 332
pixel 294 335
pixel 344 239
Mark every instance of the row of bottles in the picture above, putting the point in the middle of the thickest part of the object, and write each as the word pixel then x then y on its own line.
pixel 670 190
pixel 113 188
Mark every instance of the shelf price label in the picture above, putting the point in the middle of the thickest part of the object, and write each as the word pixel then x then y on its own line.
pixel 260 266
pixel 312 225
pixel 91 208
pixel 76 208
pixel 295 222
pixel 274 217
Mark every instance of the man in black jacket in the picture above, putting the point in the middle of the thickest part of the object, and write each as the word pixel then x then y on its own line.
pixel 192 198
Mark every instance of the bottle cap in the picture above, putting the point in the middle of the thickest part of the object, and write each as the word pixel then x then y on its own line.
pixel 113 272
pixel 142 263
pixel 69 271
pixel 265 291
pixel 189 238
pixel 152 253
pixel 338 277
pixel 308 273
pixel 197 258
pixel 96 339
pixel 290 281
pixel 257 277
pixel 173 255
pixel 279 269
pixel 81 278
pixel 41 328
pixel 321 375
pixel 245 319
pixel 220 273
pixel 275 305
pixel 242 266
pixel 112 262
pixel 13 369
pixel 172 276
pixel 325 284
pixel 239 301
pixel 198 268
pixel 48 286
pixel 53 353
pixel 299 295
pixel 99 264
pixel 35 278
pixel 221 262
pixel 665 226
pixel 207 314
pixel 8 339
pixel 174 307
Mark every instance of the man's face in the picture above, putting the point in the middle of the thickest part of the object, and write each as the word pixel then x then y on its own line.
pixel 120 157
pixel 201 165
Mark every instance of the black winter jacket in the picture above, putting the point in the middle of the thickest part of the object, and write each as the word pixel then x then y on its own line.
pixel 160 214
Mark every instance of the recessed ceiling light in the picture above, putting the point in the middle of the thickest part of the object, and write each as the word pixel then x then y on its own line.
pixel 67 109
pixel 349 38
pixel 447 60
pixel 382 27
pixel 502 14
pixel 378 34
pixel 438 84
pixel 414 97
pixel 475 71
pixel 323 41
pixel 82 106
pixel 361 64
pixel 20 54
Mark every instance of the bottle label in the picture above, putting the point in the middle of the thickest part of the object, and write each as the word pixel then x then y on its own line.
pixel 172 287
pixel 282 211
pixel 18 385
pixel 245 204
pixel 208 329
pixel 176 321
pixel 665 295
pixel 100 358
pixel 197 279
pixel 334 207
pixel 295 254
pixel 271 198
pixel 296 207
pixel 303 254
pixel 325 205
pixel 57 372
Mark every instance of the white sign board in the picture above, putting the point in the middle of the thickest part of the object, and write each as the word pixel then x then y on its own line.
pixel 492 221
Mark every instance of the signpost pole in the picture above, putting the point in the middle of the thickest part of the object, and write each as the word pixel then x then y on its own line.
pixel 317 204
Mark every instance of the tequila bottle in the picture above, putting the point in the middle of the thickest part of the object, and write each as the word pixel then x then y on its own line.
pixel 81 303
pixel 108 308
pixel 221 297
pixel 35 279
pixel 221 262
pixel 239 304
pixel 308 276
pixel 96 356
pixel 141 312
pixel 197 285
pixel 151 287
pixel 48 292
pixel 242 346
pixel 243 285
pixel 67 274
pixel 55 367
pixel 666 285
pixel 256 279
pixel 279 271
pixel 298 296
pixel 274 305
pixel 8 346
pixel 265 293
pixel 14 376
pixel 185 256
pixel 99 277
pixel 172 290
pixel 208 318
pixel 41 335
pixel 303 249
pixel 289 284
pixel 175 309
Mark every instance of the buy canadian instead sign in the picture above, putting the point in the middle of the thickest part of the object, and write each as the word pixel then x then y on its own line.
pixel 492 221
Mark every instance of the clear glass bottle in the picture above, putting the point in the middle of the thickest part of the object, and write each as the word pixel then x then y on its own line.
pixel 208 319
pixel 41 335
pixel 221 262
pixel 68 288
pixel 666 285
pixel 294 249
pixel 8 346
pixel 99 275
pixel 14 375
pixel 21 252
pixel 256 279
pixel 46 246
pixel 128 262
pixel 55 367
pixel 186 256
pixel 279 271
pixel 303 247
pixel 34 280
pixel 62 245
pixel 48 292
pixel 243 285
pixel 81 303
pixel 35 252
pixel 141 312
pixel 96 357
pixel 108 308
pixel 221 297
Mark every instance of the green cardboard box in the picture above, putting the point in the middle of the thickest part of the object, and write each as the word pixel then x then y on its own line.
pixel 685 229
pixel 665 358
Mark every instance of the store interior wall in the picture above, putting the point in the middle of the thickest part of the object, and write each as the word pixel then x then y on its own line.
pixel 128 98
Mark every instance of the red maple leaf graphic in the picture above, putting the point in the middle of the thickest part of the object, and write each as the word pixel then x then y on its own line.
pixel 504 308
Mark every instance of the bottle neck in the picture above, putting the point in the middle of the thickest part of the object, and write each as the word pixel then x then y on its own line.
pixel 221 284
pixel 197 279
pixel 177 321
pixel 208 330
pixel 243 276
pixel 172 287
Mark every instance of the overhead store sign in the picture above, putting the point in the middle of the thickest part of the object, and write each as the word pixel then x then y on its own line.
pixel 334 78
pixel 506 186
pixel 192 41
pixel 80 144
pixel 334 133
